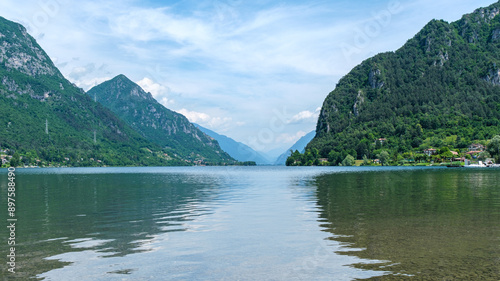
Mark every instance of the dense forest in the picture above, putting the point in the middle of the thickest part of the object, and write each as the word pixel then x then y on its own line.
pixel 440 90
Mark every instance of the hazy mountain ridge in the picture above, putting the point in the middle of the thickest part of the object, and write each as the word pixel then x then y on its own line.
pixel 237 150
pixel 300 146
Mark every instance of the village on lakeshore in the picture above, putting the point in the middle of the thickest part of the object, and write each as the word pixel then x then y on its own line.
pixel 477 154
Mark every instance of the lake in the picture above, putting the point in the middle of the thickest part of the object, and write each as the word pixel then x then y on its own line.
pixel 255 223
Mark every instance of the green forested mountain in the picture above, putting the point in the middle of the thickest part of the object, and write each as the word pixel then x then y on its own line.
pixel 442 88
pixel 44 119
pixel 157 123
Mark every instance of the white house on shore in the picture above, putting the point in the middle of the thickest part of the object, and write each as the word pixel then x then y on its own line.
pixel 430 152
pixel 476 147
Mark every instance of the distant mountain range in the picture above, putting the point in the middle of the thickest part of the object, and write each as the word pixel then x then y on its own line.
pixel 300 146
pixel 243 152
pixel 237 150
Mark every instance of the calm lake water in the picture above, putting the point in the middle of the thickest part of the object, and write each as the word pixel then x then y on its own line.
pixel 255 223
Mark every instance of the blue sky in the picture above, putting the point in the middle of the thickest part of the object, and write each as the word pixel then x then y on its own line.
pixel 257 71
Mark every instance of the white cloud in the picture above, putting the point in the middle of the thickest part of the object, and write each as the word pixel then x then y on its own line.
pixel 159 24
pixel 290 138
pixel 194 117
pixel 84 76
pixel 80 71
pixel 159 92
pixel 205 120
pixel 305 116
pixel 88 83
pixel 267 40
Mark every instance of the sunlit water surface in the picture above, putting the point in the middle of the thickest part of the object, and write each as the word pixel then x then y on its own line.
pixel 256 223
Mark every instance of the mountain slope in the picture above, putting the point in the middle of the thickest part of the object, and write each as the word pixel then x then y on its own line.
pixel 157 123
pixel 48 120
pixel 237 150
pixel 443 82
pixel 300 146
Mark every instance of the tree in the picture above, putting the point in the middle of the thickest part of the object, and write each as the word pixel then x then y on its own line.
pixel 366 161
pixel 315 153
pixel 26 161
pixel 483 156
pixel 294 158
pixel 334 158
pixel 443 150
pixel 14 161
pixel 363 148
pixel 421 158
pixel 384 158
pixel 494 148
pixel 400 159
pixel 349 161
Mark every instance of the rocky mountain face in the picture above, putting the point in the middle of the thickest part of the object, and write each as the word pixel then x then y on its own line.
pixel 48 120
pixel 157 123
pixel 20 52
pixel 442 82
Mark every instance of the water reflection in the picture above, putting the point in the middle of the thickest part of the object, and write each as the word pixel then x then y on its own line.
pixel 103 215
pixel 189 224
pixel 429 224
pixel 258 224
